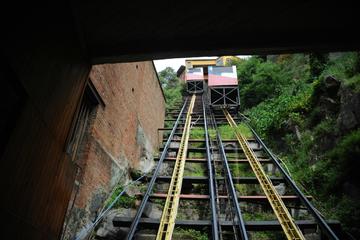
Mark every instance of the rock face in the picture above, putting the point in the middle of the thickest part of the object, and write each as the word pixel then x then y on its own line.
pixel 106 229
pixel 332 86
pixel 280 188
pixel 349 115
pixel 335 98
pixel 326 97
pixel 166 169
pixel 153 210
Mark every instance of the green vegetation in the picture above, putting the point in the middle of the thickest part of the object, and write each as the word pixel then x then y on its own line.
pixel 267 235
pixel 169 124
pixel 160 202
pixel 303 114
pixel 197 133
pixel 196 155
pixel 212 133
pixel 244 130
pixel 189 234
pixel 241 170
pixel 259 216
pixel 197 144
pixel 200 188
pixel 193 209
pixel 124 201
pixel 195 169
pixel 172 87
pixel 249 189
pixel 226 131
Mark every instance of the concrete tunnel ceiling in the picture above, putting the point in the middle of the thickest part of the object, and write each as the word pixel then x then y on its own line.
pixel 116 31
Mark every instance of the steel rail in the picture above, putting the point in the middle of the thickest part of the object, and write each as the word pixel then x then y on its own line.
pixel 168 217
pixel 234 197
pixel 322 223
pixel 287 223
pixel 140 211
pixel 216 186
pixel 215 227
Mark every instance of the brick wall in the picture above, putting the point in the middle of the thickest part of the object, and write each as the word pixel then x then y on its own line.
pixel 132 95
pixel 122 135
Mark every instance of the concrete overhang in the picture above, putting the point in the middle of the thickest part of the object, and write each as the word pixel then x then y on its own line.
pixel 125 30
pixel 122 31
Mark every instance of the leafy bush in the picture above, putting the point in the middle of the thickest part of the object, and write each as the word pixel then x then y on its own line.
pixel 342 66
pixel 174 95
pixel 353 83
pixel 273 114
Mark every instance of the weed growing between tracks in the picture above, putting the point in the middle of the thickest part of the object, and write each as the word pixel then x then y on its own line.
pixel 226 131
pixel 192 234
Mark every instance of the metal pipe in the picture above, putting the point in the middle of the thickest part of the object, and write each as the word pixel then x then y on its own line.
pixel 231 183
pixel 137 217
pixel 322 223
pixel 215 230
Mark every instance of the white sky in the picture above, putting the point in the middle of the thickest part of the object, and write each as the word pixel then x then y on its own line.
pixel 175 63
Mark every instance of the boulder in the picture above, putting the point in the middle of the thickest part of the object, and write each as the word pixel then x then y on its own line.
pixel 280 188
pixel 166 169
pixel 152 210
pixel 106 229
pixel 332 86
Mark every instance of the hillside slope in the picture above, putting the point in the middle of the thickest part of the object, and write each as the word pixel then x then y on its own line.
pixel 307 108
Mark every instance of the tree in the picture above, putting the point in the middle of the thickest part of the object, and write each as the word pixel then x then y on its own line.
pixel 168 78
pixel 172 86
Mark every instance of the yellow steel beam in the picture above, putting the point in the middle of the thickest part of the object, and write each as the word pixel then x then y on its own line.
pixel 167 221
pixel 288 225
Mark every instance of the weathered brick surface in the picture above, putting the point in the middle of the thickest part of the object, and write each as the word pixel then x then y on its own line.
pixel 132 96
pixel 119 135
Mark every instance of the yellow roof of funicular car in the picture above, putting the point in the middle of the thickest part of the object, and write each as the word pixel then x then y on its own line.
pixel 193 63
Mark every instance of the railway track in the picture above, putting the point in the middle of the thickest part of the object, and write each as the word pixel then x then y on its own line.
pixel 228 207
pixel 167 221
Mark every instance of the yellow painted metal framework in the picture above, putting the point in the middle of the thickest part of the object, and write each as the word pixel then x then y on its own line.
pixel 291 230
pixel 167 221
